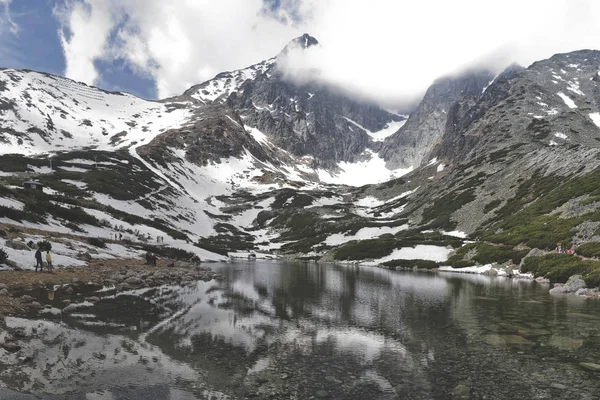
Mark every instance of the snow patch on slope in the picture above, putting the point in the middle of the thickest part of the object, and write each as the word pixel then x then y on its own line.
pixel 61 114
pixel 363 234
pixel 379 136
pixel 595 117
pixel 570 103
pixel 362 172
pixel 229 82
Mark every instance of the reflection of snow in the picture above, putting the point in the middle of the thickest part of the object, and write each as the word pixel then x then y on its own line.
pixel 110 360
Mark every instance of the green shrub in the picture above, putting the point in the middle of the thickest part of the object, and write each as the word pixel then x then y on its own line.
pixel 3 256
pixel 427 264
pixel 484 253
pixel 74 227
pixel 531 224
pixel 364 249
pixel 592 278
pixel 44 245
pixel 18 215
pixel 491 205
pixel 461 264
pixel 96 242
pixel 172 252
pixel 591 249
pixel 439 213
pixel 559 267
pixel 542 232
pixel 589 201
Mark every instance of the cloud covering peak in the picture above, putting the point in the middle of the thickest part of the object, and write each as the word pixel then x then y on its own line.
pixel 389 51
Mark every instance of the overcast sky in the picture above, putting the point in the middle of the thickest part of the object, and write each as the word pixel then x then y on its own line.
pixel 387 50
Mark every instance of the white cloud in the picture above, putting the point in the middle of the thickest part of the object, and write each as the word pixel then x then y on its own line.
pixel 6 21
pixel 388 50
pixel 86 26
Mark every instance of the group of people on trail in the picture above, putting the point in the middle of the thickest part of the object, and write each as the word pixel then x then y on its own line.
pixel 152 258
pixel 38 261
pixel 160 239
pixel 117 236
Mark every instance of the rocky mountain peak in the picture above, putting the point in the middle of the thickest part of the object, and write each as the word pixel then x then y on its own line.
pixel 413 143
pixel 300 43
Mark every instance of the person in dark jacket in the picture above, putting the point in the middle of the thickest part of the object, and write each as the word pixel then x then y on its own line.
pixel 38 260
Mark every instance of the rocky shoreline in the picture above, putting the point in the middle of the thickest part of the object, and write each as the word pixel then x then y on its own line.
pixel 575 285
pixel 24 291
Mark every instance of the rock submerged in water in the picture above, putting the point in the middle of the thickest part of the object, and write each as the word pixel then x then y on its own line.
pixel 590 366
pixel 506 340
pixel 572 286
pixel 565 343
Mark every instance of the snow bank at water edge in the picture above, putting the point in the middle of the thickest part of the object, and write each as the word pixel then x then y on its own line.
pixel 252 255
pixel 485 270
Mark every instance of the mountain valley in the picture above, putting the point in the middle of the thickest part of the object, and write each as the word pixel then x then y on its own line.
pixel 485 170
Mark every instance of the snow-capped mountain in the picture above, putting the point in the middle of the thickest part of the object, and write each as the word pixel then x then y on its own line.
pixel 41 112
pixel 255 161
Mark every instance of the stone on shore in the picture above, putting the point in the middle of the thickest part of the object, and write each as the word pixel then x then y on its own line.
pixel 133 280
pixel 572 286
pixel 69 309
pixel 11 347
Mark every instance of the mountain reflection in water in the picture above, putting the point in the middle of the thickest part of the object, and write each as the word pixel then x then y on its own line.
pixel 296 330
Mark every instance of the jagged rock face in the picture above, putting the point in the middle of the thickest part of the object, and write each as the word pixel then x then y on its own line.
pixel 543 121
pixel 303 42
pixel 413 143
pixel 309 120
pixel 216 132
pixel 305 118
pixel 550 107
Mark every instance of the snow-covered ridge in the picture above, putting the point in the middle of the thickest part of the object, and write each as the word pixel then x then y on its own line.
pixel 43 112
pixel 228 82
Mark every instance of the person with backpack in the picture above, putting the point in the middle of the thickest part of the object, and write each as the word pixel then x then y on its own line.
pixel 38 260
pixel 49 260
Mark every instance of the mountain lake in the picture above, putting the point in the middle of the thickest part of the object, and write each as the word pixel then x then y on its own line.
pixel 289 330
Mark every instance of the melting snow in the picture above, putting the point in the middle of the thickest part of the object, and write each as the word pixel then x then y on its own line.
pixel 80 185
pixel 419 252
pixel 77 116
pixel 362 172
pixel 595 118
pixel 458 234
pixel 363 234
pixel 574 87
pixel 472 270
pixel 570 103
pixel 391 128
pixel 11 203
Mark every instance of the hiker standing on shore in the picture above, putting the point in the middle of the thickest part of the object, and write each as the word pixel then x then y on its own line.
pixel 38 260
pixel 49 260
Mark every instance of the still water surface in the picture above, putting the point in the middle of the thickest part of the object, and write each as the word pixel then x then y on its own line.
pixel 299 331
